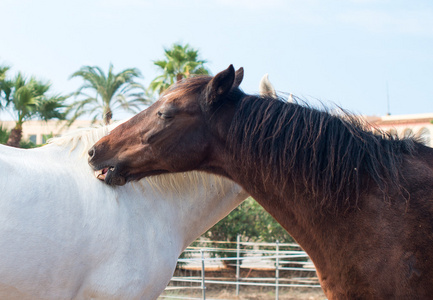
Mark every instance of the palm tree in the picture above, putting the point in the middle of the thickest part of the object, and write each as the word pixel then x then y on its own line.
pixel 3 70
pixel 28 99
pixel 105 93
pixel 180 62
pixel 4 88
pixel 4 135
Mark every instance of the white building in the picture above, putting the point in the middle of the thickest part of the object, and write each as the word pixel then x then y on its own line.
pixel 37 131
pixel 417 125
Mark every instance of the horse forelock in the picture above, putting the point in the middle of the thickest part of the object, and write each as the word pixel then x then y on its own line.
pixel 187 87
pixel 330 156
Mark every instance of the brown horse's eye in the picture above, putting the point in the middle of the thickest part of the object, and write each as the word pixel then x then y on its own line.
pixel 164 115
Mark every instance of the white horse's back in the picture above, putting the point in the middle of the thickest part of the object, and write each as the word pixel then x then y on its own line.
pixel 45 238
pixel 66 235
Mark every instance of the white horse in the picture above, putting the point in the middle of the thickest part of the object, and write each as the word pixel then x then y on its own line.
pixel 267 89
pixel 66 235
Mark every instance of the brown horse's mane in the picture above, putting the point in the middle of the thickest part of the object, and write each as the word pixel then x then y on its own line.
pixel 329 158
pixel 325 157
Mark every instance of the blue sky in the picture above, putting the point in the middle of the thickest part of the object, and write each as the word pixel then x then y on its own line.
pixel 343 52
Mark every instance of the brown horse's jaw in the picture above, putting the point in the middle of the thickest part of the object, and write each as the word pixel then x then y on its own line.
pixel 111 176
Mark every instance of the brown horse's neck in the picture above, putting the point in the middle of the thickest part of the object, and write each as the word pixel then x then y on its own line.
pixel 345 247
pixel 297 163
pixel 297 214
pixel 243 152
pixel 314 232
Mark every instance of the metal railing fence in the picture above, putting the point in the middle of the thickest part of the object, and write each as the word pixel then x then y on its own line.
pixel 275 258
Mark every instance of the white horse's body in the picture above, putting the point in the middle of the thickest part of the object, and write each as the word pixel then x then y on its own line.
pixel 66 235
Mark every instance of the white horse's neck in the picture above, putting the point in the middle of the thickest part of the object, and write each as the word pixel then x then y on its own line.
pixel 199 200
pixel 195 200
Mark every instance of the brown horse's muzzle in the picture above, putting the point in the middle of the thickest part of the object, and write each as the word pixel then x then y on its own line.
pixel 105 169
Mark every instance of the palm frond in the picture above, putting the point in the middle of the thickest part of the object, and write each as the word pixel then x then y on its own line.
pixel 180 61
pixel 106 87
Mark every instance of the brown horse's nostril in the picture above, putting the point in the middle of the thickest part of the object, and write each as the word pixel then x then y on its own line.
pixel 91 152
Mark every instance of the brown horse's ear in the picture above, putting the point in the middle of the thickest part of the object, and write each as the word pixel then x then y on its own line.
pixel 220 85
pixel 239 76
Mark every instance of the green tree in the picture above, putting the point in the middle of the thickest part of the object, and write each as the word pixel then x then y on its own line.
pixel 104 93
pixel 3 70
pixel 4 86
pixel 4 135
pixel 27 100
pixel 252 222
pixel 181 61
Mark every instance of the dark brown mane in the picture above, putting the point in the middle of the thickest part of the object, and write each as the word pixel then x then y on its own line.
pixel 329 158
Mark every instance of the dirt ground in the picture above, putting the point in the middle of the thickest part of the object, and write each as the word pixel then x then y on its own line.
pixel 248 293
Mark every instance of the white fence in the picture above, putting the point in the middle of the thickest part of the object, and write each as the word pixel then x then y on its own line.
pixel 269 258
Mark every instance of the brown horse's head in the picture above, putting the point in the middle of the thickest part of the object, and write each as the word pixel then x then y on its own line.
pixel 174 134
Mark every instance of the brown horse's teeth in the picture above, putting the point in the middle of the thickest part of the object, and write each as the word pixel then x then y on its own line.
pixel 100 175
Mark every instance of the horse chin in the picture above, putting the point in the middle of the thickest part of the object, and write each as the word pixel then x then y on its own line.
pixel 110 177
pixel 115 180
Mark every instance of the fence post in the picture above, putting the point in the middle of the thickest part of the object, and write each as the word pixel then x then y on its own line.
pixel 238 253
pixel 277 271
pixel 203 286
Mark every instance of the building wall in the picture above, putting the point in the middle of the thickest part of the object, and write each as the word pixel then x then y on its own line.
pixel 418 126
pixel 36 130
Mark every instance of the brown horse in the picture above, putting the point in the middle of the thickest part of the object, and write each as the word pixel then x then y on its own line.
pixel 360 203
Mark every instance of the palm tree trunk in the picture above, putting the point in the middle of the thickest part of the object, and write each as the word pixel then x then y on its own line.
pixel 15 136
pixel 107 117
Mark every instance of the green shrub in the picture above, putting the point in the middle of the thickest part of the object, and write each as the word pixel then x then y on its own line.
pixel 4 135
